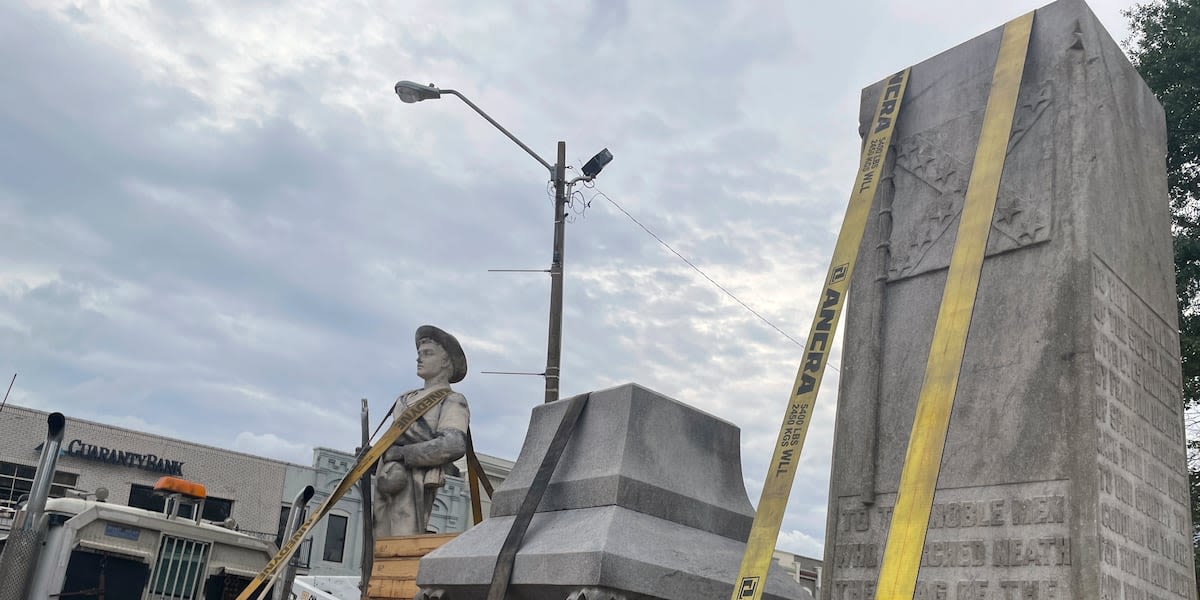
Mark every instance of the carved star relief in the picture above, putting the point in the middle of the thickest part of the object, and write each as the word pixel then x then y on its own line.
pixel 942 211
pixel 909 148
pixel 926 233
pixel 921 158
pixel 1030 110
pixel 901 262
pixel 916 237
pixel 944 171
pixel 1020 221
pixel 1030 229
pixel 1041 98
pixel 1007 212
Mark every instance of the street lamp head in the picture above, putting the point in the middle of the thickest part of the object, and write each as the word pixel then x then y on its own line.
pixel 593 167
pixel 411 92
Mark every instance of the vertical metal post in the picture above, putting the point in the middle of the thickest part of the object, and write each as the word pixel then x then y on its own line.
pixel 368 520
pixel 19 555
pixel 554 345
pixel 283 586
pixel 30 518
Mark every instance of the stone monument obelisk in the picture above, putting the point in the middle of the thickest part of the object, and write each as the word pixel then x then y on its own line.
pixel 1063 474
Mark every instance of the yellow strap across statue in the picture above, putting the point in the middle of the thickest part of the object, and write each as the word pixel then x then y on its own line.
pixel 922 461
pixel 421 404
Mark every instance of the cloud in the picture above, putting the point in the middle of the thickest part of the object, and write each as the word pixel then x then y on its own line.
pixel 798 542
pixel 272 446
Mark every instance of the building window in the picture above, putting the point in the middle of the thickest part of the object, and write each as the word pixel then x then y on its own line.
pixel 141 496
pixel 335 538
pixel 16 480
pixel 303 556
pixel 215 509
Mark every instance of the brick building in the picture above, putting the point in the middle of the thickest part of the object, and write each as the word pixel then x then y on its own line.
pixel 254 491
pixel 127 463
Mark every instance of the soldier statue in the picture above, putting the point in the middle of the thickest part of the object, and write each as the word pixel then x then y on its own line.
pixel 412 470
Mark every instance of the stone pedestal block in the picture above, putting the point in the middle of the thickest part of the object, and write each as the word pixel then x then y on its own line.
pixel 1063 474
pixel 647 502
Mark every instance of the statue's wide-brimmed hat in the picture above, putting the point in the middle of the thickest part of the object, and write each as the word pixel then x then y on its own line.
pixel 458 360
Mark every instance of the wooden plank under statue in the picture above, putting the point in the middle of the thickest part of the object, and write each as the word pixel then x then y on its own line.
pixel 394 574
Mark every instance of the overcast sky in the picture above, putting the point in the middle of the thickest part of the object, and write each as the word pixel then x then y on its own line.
pixel 220 224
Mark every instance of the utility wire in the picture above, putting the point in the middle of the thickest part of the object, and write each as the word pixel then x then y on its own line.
pixel 588 204
pixel 698 269
pixel 10 384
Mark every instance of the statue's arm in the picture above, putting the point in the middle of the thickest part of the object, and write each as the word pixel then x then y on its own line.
pixel 448 446
pixel 450 441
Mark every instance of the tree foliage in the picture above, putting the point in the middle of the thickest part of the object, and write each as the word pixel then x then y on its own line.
pixel 1165 48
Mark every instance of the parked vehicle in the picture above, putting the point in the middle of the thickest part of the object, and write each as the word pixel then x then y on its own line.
pixel 88 548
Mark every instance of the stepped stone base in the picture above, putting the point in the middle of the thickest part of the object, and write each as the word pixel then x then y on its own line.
pixel 647 503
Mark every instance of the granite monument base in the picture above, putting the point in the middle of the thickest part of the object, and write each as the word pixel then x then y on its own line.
pixel 646 503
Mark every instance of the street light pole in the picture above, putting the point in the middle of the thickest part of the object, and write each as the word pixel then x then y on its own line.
pixel 410 92
pixel 554 344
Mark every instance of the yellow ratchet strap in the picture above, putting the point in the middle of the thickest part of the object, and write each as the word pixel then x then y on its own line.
pixel 918 480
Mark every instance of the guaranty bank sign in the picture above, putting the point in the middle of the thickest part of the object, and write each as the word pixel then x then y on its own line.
pixel 148 462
